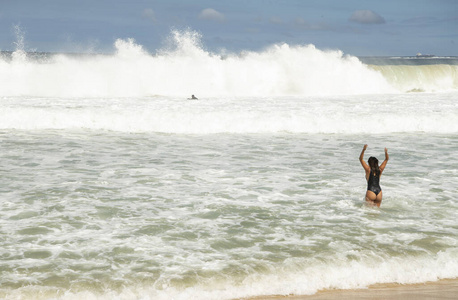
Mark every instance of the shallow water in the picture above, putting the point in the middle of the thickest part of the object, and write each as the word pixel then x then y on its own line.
pixel 88 213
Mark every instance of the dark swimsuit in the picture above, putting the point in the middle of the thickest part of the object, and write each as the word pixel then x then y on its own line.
pixel 373 184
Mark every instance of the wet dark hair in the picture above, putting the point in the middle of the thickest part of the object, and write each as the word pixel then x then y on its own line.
pixel 373 164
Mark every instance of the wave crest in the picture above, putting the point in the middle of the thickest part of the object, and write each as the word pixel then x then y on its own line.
pixel 185 67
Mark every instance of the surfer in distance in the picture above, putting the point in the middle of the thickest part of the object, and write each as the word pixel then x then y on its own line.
pixel 193 98
pixel 373 173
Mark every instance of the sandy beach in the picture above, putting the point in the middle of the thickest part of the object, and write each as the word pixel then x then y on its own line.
pixel 444 289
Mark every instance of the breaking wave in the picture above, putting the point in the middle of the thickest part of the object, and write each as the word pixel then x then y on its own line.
pixel 185 67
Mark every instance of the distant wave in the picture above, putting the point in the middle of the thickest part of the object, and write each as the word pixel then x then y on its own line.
pixel 185 67
pixel 420 78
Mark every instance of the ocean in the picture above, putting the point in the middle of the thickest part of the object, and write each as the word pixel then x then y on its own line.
pixel 116 186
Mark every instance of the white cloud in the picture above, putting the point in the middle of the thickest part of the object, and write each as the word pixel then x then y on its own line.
pixel 366 17
pixel 148 13
pixel 212 15
pixel 301 22
pixel 276 20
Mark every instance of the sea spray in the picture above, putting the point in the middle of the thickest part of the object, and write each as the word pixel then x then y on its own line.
pixel 186 68
pixel 20 53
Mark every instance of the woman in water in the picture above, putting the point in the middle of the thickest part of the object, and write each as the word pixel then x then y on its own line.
pixel 373 173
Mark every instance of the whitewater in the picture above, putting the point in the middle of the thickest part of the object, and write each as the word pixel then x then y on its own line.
pixel 116 186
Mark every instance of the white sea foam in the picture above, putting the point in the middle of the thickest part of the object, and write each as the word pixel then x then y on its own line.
pixel 345 114
pixel 281 89
pixel 185 67
pixel 103 215
pixel 307 279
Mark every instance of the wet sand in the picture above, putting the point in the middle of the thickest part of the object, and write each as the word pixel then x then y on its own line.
pixel 444 289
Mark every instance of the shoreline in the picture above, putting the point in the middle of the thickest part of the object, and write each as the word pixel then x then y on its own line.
pixel 442 289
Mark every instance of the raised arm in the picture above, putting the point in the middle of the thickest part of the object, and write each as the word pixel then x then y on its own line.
pixel 383 165
pixel 361 159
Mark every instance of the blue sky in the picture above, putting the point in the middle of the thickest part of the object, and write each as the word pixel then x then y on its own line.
pixel 384 27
